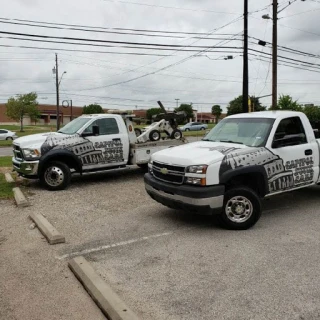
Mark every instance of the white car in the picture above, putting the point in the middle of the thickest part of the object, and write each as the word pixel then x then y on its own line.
pixel 7 135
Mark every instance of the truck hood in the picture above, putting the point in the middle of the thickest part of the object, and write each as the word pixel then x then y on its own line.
pixel 201 152
pixel 35 141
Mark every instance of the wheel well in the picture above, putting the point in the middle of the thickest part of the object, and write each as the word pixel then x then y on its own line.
pixel 69 161
pixel 254 181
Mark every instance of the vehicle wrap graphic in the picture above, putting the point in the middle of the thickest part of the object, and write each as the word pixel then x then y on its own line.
pixel 104 152
pixel 280 175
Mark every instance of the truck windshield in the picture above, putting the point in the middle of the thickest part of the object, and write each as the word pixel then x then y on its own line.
pixel 73 126
pixel 252 132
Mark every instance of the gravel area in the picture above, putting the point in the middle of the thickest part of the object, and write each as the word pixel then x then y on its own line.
pixel 167 264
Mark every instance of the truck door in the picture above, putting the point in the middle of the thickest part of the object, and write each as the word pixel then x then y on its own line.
pixel 110 147
pixel 299 157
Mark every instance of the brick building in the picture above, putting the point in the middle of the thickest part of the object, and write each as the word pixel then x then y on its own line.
pixel 48 115
pixel 207 117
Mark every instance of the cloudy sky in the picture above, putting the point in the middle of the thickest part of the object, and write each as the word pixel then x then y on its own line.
pixel 126 75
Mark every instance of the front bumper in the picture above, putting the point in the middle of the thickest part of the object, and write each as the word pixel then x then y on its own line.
pixel 204 200
pixel 26 168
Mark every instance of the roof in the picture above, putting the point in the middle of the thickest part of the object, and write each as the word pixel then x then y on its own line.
pixel 268 114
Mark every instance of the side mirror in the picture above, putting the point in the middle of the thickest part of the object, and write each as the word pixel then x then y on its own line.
pixel 95 130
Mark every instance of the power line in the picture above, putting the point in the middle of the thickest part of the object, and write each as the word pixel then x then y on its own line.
pixel 104 31
pixel 86 51
pixel 100 40
pixel 122 29
pixel 175 8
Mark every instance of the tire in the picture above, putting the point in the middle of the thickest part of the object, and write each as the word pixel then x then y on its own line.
pixel 187 129
pixel 154 135
pixel 9 138
pixel 202 129
pixel 249 204
pixel 55 175
pixel 176 134
pixel 137 131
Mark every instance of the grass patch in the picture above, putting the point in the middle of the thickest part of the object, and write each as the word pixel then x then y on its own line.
pixel 5 161
pixel 5 143
pixel 27 130
pixel 5 188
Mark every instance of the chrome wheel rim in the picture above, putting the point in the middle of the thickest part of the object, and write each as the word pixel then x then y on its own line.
pixel 239 209
pixel 54 176
pixel 155 135
pixel 177 135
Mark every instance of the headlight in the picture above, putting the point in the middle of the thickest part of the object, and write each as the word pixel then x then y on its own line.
pixel 31 154
pixel 197 169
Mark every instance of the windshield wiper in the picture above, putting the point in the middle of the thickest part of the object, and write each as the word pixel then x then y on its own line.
pixel 229 141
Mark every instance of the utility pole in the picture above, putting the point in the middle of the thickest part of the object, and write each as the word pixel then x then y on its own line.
pixel 177 102
pixel 57 90
pixel 245 85
pixel 71 110
pixel 275 55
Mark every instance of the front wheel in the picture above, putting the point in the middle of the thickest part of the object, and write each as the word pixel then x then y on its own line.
pixel 241 209
pixel 9 138
pixel 55 175
pixel 154 135
pixel 202 129
pixel 176 134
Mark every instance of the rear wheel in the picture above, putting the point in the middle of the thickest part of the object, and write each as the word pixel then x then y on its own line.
pixel 176 134
pixel 241 209
pixel 154 135
pixel 203 129
pixel 55 175
pixel 143 167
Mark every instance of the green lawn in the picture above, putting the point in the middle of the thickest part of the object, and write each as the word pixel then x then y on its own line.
pixel 5 188
pixel 5 161
pixel 26 131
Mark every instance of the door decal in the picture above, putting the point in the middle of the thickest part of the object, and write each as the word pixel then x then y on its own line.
pixel 104 152
pixel 280 176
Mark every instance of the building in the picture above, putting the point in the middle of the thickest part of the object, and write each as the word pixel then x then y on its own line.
pixel 48 115
pixel 208 117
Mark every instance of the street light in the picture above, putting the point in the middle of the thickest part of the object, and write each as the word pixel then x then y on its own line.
pixel 62 76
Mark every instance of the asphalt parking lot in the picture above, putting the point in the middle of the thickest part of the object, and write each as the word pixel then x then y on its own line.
pixel 171 265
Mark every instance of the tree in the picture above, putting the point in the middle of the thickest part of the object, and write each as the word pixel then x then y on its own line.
pixel 152 112
pixel 235 106
pixel 287 103
pixel 22 105
pixel 313 114
pixel 187 108
pixel 92 109
pixel 216 111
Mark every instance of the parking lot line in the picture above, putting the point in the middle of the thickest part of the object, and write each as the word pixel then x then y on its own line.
pixel 114 245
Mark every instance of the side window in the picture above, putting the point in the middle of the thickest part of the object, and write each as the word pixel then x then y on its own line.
pixel 2 131
pixel 290 132
pixel 108 126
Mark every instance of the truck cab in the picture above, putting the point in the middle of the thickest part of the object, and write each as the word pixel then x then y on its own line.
pixel 243 159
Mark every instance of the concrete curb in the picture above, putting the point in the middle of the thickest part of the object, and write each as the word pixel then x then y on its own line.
pixel 47 229
pixel 106 299
pixel 8 177
pixel 20 198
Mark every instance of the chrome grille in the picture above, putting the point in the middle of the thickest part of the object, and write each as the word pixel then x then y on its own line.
pixel 17 153
pixel 168 173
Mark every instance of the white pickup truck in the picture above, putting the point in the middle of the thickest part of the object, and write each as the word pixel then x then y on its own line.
pixel 87 144
pixel 243 159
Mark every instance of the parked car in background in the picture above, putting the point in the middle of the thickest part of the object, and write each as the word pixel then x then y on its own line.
pixel 7 135
pixel 194 126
